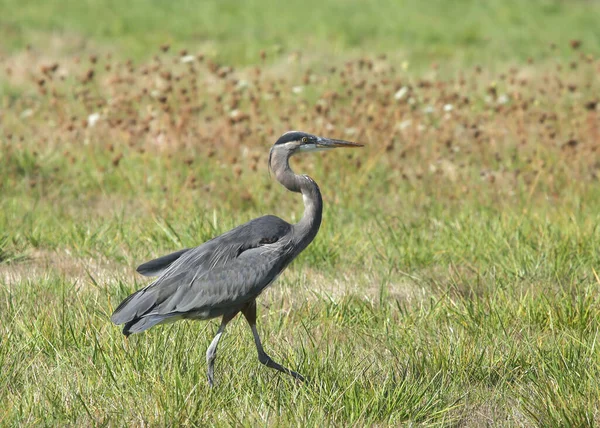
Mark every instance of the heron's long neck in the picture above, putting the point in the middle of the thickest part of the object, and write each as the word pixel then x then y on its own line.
pixel 308 226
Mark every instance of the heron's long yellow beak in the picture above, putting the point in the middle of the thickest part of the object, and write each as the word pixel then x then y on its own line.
pixel 329 143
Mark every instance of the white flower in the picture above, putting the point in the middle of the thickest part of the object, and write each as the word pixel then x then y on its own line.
pixel 26 113
pixel 297 89
pixel 448 107
pixel 401 93
pixel 92 119
pixel 503 99
pixel 188 58
pixel 404 124
pixel 428 110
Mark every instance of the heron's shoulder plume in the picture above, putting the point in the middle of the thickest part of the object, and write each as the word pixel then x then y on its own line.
pixel 157 266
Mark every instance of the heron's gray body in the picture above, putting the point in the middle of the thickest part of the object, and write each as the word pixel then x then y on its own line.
pixel 211 280
pixel 225 275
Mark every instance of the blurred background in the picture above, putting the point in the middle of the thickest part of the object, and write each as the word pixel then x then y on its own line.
pixel 465 32
pixel 454 279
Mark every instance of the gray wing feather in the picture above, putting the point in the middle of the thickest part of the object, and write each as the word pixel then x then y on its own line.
pixel 157 266
pixel 231 285
pixel 219 274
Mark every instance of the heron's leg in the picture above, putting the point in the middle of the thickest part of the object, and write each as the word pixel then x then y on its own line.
pixel 250 314
pixel 211 352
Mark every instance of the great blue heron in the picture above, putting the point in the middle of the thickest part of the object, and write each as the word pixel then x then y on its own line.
pixel 225 275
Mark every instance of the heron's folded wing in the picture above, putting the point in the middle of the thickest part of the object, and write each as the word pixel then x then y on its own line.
pixel 227 286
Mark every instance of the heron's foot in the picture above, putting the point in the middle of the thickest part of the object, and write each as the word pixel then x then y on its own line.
pixel 211 378
pixel 210 360
pixel 211 356
pixel 268 361
pixel 297 376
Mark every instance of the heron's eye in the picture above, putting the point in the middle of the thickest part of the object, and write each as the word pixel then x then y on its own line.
pixel 305 139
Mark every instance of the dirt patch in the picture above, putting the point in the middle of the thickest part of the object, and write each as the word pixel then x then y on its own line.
pixel 296 287
pixel 43 263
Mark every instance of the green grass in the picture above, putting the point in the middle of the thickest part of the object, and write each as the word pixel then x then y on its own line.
pixel 455 278
pixel 459 32
pixel 496 314
pixel 429 316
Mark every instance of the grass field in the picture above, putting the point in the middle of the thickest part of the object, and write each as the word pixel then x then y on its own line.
pixel 456 33
pixel 455 280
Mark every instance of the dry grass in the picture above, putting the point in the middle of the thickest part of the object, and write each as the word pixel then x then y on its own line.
pixel 434 129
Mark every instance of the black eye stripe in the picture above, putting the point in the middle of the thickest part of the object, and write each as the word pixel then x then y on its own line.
pixel 293 136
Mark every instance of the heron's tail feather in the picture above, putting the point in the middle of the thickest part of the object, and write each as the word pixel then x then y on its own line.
pixel 137 309
pixel 134 306
pixel 143 323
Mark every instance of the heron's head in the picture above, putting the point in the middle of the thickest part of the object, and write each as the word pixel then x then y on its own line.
pixel 293 142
